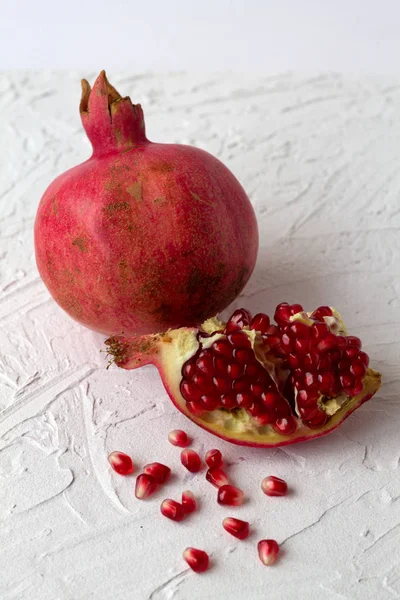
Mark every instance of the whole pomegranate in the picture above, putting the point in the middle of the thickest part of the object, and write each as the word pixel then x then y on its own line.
pixel 142 237
pixel 256 383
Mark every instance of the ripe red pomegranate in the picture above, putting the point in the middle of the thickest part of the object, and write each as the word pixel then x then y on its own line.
pixel 255 383
pixel 142 237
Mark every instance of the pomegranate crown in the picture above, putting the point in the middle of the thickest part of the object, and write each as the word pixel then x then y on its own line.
pixel 112 123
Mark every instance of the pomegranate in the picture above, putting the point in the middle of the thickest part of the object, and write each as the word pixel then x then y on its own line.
pixel 197 560
pixel 142 237
pixel 268 551
pixel 274 486
pixel 256 383
pixel 230 495
pixel 213 458
pixel 121 463
pixel 236 527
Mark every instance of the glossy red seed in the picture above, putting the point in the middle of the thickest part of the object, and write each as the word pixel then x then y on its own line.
pixel 329 342
pixel 296 308
pixel 317 420
pixel 235 370
pixel 285 426
pixel 270 399
pixel 319 330
pixel 195 409
pixel 240 317
pixel 160 472
pixel 260 322
pixel 308 397
pixel 346 380
pixel 325 363
pixel 302 346
pixel 241 355
pixel 188 502
pixel 256 389
pixel 321 312
pixel 309 379
pixel 325 382
pixel 229 495
pixel 213 458
pixel 222 347
pixel 300 330
pixel 352 340
pixel 283 313
pixel 294 361
pixel 308 412
pixel 189 369
pixel 266 418
pixel 239 339
pixel 217 477
pixel 189 391
pixel 177 437
pixel 364 358
pixel 239 529
pixel 268 551
pixel 274 486
pixel 221 366
pixel 358 368
pixel 145 486
pixel 222 385
pixel 244 400
pixel 310 359
pixel 351 352
pixel 252 370
pixel 341 341
pixel 210 401
pixel 205 364
pixel 286 343
pixel 172 510
pixel 191 460
pixel 228 401
pixel 357 388
pixel 121 463
pixel 203 383
pixel 197 560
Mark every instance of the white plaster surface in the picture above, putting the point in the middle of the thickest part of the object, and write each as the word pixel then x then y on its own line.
pixel 319 157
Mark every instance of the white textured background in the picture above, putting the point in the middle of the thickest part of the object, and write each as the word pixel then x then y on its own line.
pixel 319 157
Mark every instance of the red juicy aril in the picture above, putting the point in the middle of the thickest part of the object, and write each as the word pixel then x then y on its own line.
pixel 142 236
pixel 254 382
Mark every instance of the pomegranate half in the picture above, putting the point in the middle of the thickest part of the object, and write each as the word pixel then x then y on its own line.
pixel 256 383
pixel 142 236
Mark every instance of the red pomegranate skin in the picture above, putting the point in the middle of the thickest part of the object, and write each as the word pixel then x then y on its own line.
pixel 142 236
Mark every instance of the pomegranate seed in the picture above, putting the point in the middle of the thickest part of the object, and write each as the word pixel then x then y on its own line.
pixel 223 386
pixel 189 391
pixel 358 368
pixel 270 399
pixel 205 364
pixel 177 437
pixel 239 339
pixel 347 380
pixel 195 409
pixel 364 358
pixel 159 471
pixel 145 486
pixel 342 341
pixel 319 330
pixel 252 370
pixel 197 560
pixel 223 348
pixel 327 343
pixel 243 356
pixel 296 308
pixel 235 370
pixel 213 458
pixel 286 343
pixel 285 426
pixel 256 389
pixel 351 352
pixel 299 330
pixel 241 385
pixel 203 383
pixel 308 396
pixel 230 495
pixel 352 340
pixel 172 510
pixel 321 312
pixel 210 402
pixel 283 313
pixel 221 365
pixel 268 551
pixel 228 401
pixel 188 502
pixel 189 369
pixel 217 477
pixel 326 382
pixel 191 460
pixel 121 463
pixel 309 379
pixel 325 363
pixel 357 388
pixel 260 322
pixel 244 400
pixel 317 421
pixel 294 361
pixel 236 527
pixel 273 486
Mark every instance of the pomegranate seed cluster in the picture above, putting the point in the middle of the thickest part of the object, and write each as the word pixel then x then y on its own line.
pixel 156 474
pixel 320 363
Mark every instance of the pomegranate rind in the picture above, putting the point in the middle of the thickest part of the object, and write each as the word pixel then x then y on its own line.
pixel 169 351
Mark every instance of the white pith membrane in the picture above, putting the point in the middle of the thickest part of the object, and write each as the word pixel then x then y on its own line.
pixel 238 426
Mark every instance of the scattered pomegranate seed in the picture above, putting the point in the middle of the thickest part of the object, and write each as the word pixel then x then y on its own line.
pixel 197 560
pixel 273 486
pixel 217 477
pixel 191 460
pixel 188 502
pixel 145 486
pixel 213 458
pixel 268 551
pixel 159 471
pixel 172 510
pixel 236 527
pixel 121 463
pixel 177 437
pixel 230 495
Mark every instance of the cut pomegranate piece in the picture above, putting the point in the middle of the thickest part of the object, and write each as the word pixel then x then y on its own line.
pixel 172 510
pixel 145 486
pixel 213 458
pixel 230 495
pixel 160 472
pixel 273 486
pixel 121 463
pixel 268 551
pixel 259 384
pixel 236 527
pixel 188 502
pixel 197 560
pixel 217 477
pixel 191 460
pixel 177 437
